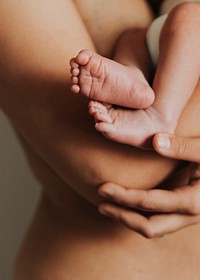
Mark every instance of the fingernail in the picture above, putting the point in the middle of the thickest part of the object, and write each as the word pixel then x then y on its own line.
pixel 164 142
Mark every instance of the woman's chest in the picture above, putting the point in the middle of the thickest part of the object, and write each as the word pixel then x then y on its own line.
pixel 105 20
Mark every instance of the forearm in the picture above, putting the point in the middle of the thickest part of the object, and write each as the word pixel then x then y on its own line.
pixel 35 96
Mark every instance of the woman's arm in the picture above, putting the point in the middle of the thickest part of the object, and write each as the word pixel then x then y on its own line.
pixel 36 43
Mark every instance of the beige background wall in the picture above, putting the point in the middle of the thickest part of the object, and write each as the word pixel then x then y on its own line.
pixel 18 196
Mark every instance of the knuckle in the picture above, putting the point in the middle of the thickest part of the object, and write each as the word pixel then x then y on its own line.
pixel 123 217
pixel 181 148
pixel 119 197
pixel 146 206
pixel 194 208
pixel 149 232
pixel 145 203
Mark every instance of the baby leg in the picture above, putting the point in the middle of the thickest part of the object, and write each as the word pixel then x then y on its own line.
pixel 179 61
pixel 120 83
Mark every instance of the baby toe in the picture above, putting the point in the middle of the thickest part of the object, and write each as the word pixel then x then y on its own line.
pixel 98 105
pixel 106 128
pixel 75 71
pixel 74 80
pixel 83 57
pixel 75 88
pixel 73 63
pixel 102 117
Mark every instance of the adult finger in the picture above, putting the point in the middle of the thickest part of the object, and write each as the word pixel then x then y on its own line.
pixel 177 147
pixel 185 199
pixel 151 227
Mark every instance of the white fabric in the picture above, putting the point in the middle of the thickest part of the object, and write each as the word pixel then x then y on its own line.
pixel 152 38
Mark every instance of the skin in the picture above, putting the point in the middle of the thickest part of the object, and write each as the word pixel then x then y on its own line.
pixel 124 84
pixel 169 210
pixel 104 80
pixel 66 231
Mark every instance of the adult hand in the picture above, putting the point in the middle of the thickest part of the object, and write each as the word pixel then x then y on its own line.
pixel 160 211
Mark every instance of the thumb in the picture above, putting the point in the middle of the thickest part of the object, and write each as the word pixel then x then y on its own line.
pixel 177 147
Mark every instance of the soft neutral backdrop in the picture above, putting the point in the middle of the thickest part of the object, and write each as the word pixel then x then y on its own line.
pixel 18 197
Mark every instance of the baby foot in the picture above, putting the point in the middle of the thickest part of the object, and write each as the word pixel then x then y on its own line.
pixel 132 127
pixel 105 80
